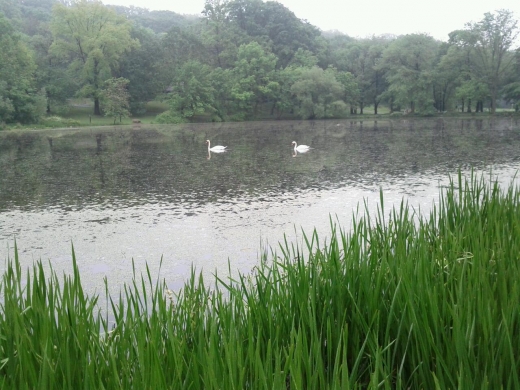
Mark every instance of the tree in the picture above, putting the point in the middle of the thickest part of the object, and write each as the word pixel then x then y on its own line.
pixel 52 74
pixel 283 98
pixel 115 98
pixel 351 90
pixel 472 91
pixel 19 101
pixel 191 91
pixel 221 37
pixel 35 15
pixel 221 80
pixel 177 47
pixel 318 94
pixel 355 64
pixel 303 58
pixel 511 91
pixel 91 38
pixel 491 40
pixel 450 72
pixel 137 65
pixel 157 21
pixel 362 57
pixel 254 78
pixel 409 61
pixel 512 94
pixel 274 26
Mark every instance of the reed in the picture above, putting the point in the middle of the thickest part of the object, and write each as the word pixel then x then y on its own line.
pixel 398 301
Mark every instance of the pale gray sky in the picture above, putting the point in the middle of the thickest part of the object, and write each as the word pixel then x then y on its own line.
pixel 436 18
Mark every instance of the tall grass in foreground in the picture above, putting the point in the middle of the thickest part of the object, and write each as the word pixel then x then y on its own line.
pixel 393 303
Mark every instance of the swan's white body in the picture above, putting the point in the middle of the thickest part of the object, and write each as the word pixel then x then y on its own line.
pixel 301 148
pixel 216 148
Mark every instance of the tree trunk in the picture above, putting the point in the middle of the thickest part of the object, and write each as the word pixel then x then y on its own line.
pixel 97 110
pixel 469 105
pixel 494 99
pixel 95 83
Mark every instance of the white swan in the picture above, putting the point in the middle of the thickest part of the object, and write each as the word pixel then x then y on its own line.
pixel 215 149
pixel 301 148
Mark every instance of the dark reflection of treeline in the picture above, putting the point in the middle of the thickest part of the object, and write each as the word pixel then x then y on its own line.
pixel 123 167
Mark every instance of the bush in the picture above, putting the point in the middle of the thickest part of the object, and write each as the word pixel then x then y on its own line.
pixel 169 117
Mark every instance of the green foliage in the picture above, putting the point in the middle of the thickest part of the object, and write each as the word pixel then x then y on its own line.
pixel 51 74
pixel 472 90
pixel 92 39
pixel 115 98
pixel 191 92
pixel 254 78
pixel 490 40
pixel 401 301
pixel 304 59
pixel 271 22
pixel 157 21
pixel 512 94
pixel 409 61
pixel 176 48
pixel 351 92
pixel 362 59
pixel 169 117
pixel 283 99
pixel 221 81
pixel 136 66
pixel 220 37
pixel 253 51
pixel 19 101
pixel 317 92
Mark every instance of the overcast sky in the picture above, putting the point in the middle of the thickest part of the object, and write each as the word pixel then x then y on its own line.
pixel 366 18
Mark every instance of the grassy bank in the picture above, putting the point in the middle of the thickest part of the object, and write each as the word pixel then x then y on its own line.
pixel 391 304
pixel 80 114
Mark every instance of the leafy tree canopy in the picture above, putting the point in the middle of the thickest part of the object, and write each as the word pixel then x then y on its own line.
pixel 19 101
pixel 92 38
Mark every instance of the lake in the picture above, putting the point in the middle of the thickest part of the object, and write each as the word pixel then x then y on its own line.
pixel 142 194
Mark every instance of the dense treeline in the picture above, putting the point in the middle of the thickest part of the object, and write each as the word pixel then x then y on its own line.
pixel 241 59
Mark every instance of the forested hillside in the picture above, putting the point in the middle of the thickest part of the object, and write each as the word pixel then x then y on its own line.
pixel 241 60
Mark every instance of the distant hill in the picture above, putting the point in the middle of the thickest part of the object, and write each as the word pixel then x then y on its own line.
pixel 27 16
pixel 157 21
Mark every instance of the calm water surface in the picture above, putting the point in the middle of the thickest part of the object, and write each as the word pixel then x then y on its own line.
pixel 153 192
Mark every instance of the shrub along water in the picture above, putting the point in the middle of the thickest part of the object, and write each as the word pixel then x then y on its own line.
pixel 397 302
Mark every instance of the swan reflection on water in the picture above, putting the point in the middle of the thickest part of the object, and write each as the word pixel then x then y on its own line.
pixel 295 153
pixel 209 154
